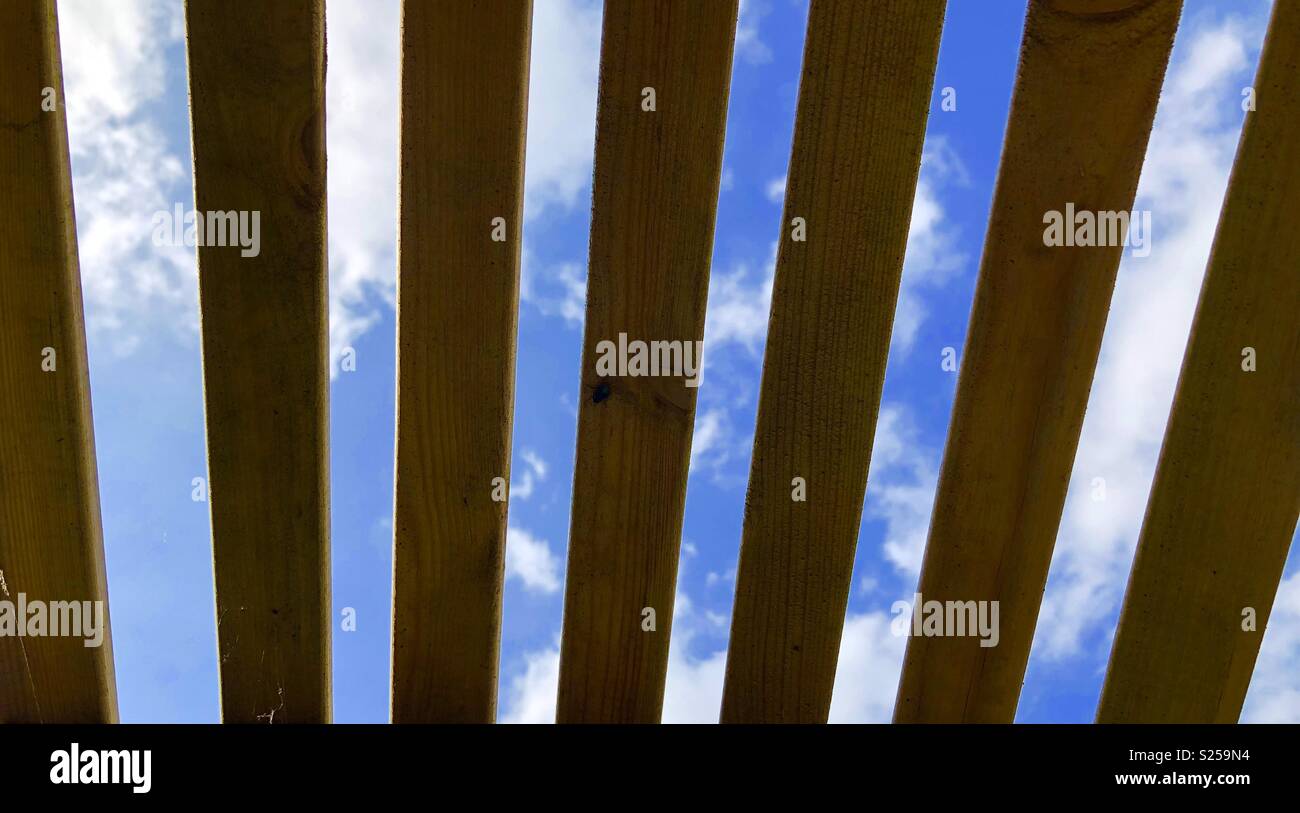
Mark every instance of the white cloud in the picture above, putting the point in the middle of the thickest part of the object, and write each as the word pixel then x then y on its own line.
pixel 124 169
pixel 693 688
pixel 693 691
pixel 736 317
pixel 361 87
pixel 866 676
pixel 932 257
pixel 535 462
pixel 776 189
pixel 749 45
pixel 709 441
pixel 563 75
pixel 1183 181
pixel 714 578
pixel 113 56
pixel 534 471
pixel 532 693
pixel 558 290
pixel 529 559
pixel 738 307
pixel 900 488
pixel 563 83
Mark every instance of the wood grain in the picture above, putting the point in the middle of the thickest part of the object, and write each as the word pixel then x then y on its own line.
pixel 868 72
pixel 464 115
pixel 51 545
pixel 1226 493
pixel 654 201
pixel 257 103
pixel 1081 114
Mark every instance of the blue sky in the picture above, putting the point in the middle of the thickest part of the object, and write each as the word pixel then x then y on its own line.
pixel 126 101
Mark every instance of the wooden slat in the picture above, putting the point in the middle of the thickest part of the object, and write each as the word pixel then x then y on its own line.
pixel 51 546
pixel 1081 113
pixel 1226 492
pixel 867 76
pixel 257 103
pixel 464 111
pixel 654 197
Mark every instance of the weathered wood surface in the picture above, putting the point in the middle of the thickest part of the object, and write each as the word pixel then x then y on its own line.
pixel 464 112
pixel 655 195
pixel 868 71
pixel 257 104
pixel 1081 115
pixel 51 545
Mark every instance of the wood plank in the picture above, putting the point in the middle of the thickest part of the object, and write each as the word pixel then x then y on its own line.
pixel 257 103
pixel 654 197
pixel 868 71
pixel 1081 114
pixel 51 541
pixel 1226 493
pixel 464 116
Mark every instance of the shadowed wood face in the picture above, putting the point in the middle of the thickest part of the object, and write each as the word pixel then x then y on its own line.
pixel 665 75
pixel 853 173
pixel 257 90
pixel 1096 8
pixel 1081 115
pixel 51 547
pixel 458 297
